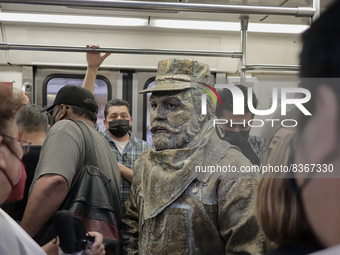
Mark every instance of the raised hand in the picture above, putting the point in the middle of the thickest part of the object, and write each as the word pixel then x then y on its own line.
pixel 95 59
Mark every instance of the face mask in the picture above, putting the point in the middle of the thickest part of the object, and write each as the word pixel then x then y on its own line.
pixel 18 187
pixel 119 128
pixel 52 118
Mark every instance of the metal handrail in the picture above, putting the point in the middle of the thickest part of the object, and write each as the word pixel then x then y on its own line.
pixel 271 67
pixel 168 6
pixel 60 48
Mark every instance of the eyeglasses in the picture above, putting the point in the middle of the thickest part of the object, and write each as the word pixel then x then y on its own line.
pixel 50 112
pixel 10 141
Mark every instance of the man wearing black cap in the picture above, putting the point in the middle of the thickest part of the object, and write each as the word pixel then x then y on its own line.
pixel 63 155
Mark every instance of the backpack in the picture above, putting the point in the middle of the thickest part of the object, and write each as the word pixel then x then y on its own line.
pixel 90 199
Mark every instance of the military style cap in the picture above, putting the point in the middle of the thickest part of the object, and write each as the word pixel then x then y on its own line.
pixel 179 74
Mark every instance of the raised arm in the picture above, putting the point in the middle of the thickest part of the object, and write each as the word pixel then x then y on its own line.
pixel 94 60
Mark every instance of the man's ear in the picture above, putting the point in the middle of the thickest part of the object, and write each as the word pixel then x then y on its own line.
pixel 62 112
pixel 131 120
pixel 106 125
pixel 319 137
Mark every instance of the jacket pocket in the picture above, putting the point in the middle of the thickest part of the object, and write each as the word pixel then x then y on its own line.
pixel 167 233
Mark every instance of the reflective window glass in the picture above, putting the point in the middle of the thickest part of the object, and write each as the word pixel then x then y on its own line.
pixel 100 93
pixel 148 109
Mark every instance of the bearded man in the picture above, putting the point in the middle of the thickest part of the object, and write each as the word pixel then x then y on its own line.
pixel 176 206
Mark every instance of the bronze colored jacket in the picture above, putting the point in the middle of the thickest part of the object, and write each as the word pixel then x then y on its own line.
pixel 176 209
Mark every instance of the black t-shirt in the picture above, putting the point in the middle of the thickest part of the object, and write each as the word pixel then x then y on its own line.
pixel 30 160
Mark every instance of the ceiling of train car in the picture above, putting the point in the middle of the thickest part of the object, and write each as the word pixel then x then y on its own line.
pixel 178 15
pixel 245 2
pixel 280 49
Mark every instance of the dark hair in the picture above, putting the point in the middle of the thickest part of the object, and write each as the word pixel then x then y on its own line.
pixel 31 119
pixel 9 105
pixel 116 102
pixel 320 56
pixel 227 100
pixel 83 112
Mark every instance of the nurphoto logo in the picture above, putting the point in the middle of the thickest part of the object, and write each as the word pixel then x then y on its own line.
pixel 238 103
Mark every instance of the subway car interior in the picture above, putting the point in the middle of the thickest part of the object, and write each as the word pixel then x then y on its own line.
pixel 255 43
pixel 249 41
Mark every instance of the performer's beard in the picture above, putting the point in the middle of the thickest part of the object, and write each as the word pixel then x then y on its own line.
pixel 167 137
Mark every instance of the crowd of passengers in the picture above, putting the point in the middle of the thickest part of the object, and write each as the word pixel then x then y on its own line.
pixel 161 205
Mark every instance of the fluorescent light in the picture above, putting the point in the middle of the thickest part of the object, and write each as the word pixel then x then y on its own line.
pixel 199 25
pixel 277 28
pixel 71 19
pixel 162 23
pixel 228 26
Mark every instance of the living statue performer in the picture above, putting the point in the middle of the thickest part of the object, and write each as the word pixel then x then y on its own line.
pixel 176 206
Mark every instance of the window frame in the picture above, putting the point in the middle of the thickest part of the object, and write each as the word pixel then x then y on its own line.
pixel 72 76
pixel 146 84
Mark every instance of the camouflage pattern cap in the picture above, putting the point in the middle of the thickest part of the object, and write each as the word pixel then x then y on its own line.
pixel 179 74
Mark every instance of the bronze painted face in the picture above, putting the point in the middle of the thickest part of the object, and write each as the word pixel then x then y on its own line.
pixel 172 119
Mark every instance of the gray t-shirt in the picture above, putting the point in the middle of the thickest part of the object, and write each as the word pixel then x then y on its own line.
pixel 63 153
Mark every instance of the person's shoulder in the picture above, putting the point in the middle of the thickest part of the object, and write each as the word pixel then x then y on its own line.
pixel 63 130
pixel 257 140
pixel 104 134
pixel 236 166
pixel 226 153
pixel 64 125
pixel 139 167
pixel 140 142
pixel 57 127
pixel 234 156
pixel 139 163
pixel 98 136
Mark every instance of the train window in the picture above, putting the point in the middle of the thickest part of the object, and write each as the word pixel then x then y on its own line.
pixel 147 108
pixel 100 92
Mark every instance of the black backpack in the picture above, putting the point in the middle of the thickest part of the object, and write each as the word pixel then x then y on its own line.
pixel 90 198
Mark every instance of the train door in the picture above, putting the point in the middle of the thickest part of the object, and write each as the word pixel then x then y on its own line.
pixel 48 82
